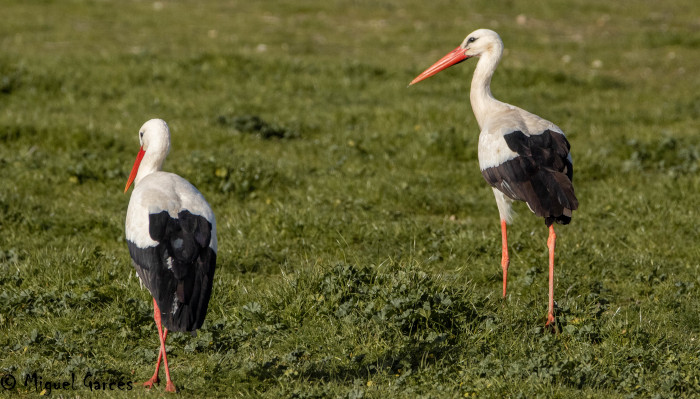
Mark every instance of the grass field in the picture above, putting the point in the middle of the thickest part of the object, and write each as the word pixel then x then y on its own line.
pixel 359 247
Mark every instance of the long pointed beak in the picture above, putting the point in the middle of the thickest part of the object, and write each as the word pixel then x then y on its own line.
pixel 454 57
pixel 135 169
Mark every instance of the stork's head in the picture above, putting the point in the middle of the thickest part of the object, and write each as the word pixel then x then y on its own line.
pixel 477 43
pixel 481 41
pixel 154 137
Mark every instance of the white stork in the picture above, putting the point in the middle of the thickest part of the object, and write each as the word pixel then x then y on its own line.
pixel 171 234
pixel 522 156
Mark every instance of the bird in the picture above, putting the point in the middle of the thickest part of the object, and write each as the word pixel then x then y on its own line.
pixel 171 234
pixel 521 155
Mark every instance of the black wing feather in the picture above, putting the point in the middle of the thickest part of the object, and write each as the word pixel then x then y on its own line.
pixel 541 175
pixel 179 271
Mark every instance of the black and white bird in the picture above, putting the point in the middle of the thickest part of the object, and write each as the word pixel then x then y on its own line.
pixel 171 234
pixel 522 156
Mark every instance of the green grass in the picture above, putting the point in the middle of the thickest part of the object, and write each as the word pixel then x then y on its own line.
pixel 359 247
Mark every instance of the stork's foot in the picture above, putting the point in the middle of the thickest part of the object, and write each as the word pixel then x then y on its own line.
pixel 170 387
pixel 149 384
pixel 551 321
pixel 552 326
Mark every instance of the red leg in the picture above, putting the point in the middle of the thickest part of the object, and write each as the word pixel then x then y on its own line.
pixel 551 242
pixel 162 335
pixel 169 386
pixel 155 380
pixel 505 260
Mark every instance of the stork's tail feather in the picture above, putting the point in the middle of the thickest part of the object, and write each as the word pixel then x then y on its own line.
pixel 179 271
pixel 189 315
pixel 561 196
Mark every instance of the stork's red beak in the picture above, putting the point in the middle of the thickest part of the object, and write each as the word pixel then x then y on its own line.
pixel 135 169
pixel 454 57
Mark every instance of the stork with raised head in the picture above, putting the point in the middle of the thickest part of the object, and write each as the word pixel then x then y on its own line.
pixel 522 156
pixel 171 235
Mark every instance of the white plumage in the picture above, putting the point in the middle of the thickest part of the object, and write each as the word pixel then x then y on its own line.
pixel 163 191
pixel 171 234
pixel 522 156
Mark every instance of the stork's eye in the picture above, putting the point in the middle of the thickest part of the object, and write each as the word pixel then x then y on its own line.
pixel 471 40
pixel 141 134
